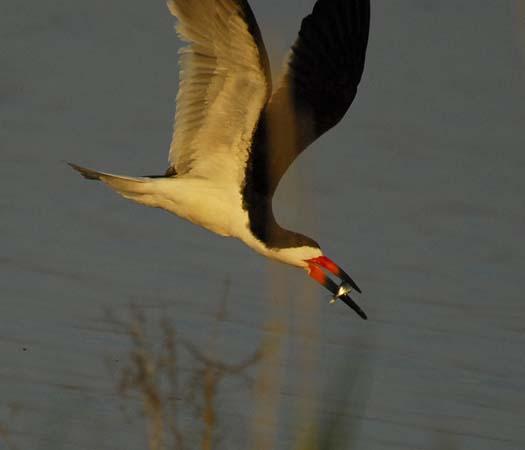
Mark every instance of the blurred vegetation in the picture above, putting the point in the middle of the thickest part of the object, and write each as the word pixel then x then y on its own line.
pixel 174 380
pixel 12 410
pixel 155 376
pixel 146 372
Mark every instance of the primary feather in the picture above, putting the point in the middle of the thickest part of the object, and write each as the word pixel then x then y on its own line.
pixel 224 84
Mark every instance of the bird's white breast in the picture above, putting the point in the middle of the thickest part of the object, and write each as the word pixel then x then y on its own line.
pixel 215 207
pixel 218 208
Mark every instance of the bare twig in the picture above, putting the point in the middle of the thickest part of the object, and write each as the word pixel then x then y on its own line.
pixel 156 378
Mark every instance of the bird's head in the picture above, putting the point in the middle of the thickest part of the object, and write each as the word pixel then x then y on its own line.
pixel 317 268
pixel 302 251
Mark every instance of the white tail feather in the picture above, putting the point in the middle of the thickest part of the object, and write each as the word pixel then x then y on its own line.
pixel 139 189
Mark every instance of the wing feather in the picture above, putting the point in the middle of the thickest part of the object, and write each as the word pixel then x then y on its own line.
pixel 324 68
pixel 224 84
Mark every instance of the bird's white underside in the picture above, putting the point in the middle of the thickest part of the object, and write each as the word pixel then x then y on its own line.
pixel 215 207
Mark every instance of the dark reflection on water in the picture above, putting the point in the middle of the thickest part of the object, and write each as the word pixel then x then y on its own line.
pixel 420 196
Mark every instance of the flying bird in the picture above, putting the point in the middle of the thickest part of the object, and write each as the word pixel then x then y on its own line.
pixel 235 136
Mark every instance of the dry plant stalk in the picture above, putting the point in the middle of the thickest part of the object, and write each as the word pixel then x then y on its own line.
pixel 5 435
pixel 155 378
pixel 6 438
pixel 142 375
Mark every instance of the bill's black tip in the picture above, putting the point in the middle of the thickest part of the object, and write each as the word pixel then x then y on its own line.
pixel 346 278
pixel 356 287
pixel 349 302
pixel 352 283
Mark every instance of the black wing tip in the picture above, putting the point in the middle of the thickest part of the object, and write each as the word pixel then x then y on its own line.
pixel 170 173
pixel 88 174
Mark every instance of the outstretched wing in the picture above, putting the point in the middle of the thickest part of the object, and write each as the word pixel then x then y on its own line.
pixel 224 84
pixel 324 69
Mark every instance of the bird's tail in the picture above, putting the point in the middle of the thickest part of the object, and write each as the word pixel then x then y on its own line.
pixel 141 190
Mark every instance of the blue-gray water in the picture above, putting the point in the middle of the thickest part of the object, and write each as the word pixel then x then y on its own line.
pixel 419 192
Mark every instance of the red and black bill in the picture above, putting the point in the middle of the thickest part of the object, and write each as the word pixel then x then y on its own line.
pixel 315 271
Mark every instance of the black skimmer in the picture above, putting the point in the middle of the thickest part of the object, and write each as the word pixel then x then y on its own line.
pixel 234 137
